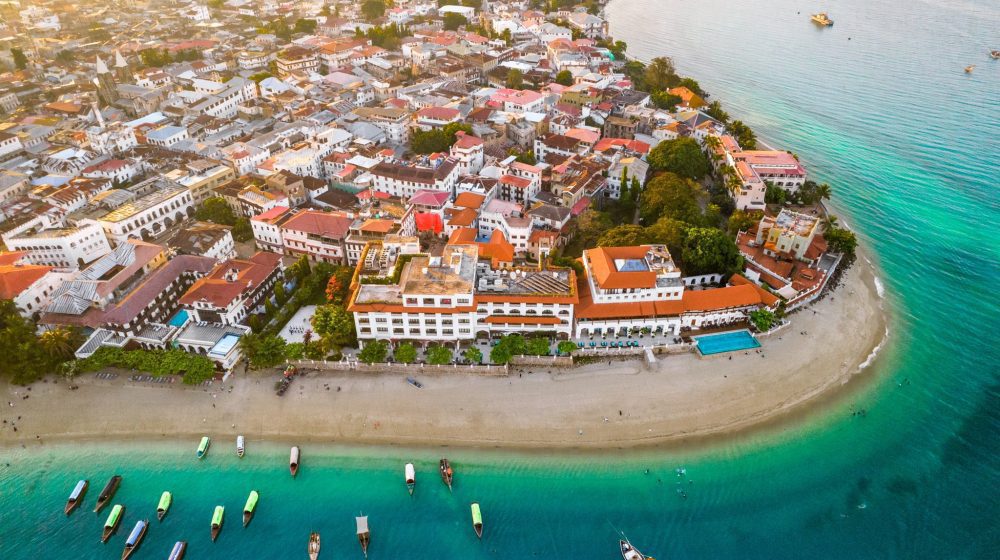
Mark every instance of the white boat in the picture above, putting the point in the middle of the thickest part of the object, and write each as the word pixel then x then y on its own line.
pixel 411 477
pixel 240 448
pixel 630 553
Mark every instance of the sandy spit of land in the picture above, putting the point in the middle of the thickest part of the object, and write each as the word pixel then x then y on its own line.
pixel 626 404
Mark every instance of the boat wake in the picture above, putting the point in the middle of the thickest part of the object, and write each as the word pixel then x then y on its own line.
pixel 874 353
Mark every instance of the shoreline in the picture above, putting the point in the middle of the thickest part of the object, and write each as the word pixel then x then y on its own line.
pixel 682 400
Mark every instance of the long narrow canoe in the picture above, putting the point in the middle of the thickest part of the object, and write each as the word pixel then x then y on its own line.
pixel 240 446
pixel 135 538
pixel 293 461
pixel 109 492
pixel 250 507
pixel 477 519
pixel 411 477
pixel 364 535
pixel 177 553
pixel 111 525
pixel 203 447
pixel 76 496
pixel 217 521
pixel 161 509
pixel 313 546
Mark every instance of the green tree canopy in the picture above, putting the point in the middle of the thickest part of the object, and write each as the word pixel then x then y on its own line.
pixel 304 25
pixel 744 136
pixel 242 230
pixel 154 57
pixel 374 352
pixel 709 251
pixel 841 240
pixel 262 350
pixel 566 347
pixel 743 220
pixel 438 355
pixel 665 101
pixel 763 319
pixel 452 21
pixel 20 61
pixel 405 353
pixel 564 78
pixel 666 231
pixel 715 111
pixel 538 346
pixel 217 211
pixel 660 74
pixel 437 140
pixel 682 156
pixel 508 347
pixel 473 355
pixel 334 324
pixel 373 9
pixel 671 196
pixel 623 236
pixel 515 79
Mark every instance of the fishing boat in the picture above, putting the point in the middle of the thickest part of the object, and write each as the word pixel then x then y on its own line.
pixel 630 553
pixel 313 546
pixel 822 19
pixel 364 535
pixel 177 552
pixel 240 448
pixel 446 473
pixel 477 519
pixel 109 492
pixel 995 54
pixel 414 382
pixel 76 496
pixel 203 447
pixel 411 477
pixel 135 538
pixel 111 525
pixel 293 461
pixel 970 68
pixel 161 509
pixel 250 507
pixel 217 521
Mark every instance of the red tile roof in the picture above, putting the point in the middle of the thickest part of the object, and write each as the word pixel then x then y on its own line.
pixel 329 225
pixel 606 273
pixel 16 278
pixel 221 287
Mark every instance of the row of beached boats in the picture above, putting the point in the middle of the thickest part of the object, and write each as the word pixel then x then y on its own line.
pixel 206 442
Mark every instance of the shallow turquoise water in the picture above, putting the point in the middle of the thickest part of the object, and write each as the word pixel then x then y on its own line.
pixel 910 144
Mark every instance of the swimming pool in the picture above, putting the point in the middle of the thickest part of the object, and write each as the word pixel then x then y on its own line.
pixel 179 319
pixel 725 342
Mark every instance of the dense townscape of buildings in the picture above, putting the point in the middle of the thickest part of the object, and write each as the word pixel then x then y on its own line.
pixel 116 129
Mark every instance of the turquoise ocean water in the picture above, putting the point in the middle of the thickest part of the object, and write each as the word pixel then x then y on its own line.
pixel 911 145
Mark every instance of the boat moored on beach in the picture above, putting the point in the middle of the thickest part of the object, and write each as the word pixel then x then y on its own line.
pixel 411 477
pixel 240 447
pixel 446 473
pixel 111 525
pixel 630 553
pixel 161 508
pixel 107 493
pixel 177 552
pixel 249 508
pixel 76 496
pixel 203 447
pixel 293 461
pixel 477 519
pixel 135 538
pixel 217 521
pixel 313 546
pixel 364 535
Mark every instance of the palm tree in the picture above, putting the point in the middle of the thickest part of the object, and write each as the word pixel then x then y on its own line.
pixel 823 191
pixel 830 222
pixel 57 342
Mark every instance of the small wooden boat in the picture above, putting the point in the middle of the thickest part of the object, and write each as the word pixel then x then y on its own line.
pixel 630 553
pixel 177 552
pixel 293 461
pixel 995 54
pixel 76 496
pixel 821 19
pixel 109 492
pixel 111 525
pixel 411 477
pixel 364 535
pixel 203 447
pixel 135 538
pixel 161 509
pixel 217 521
pixel 414 382
pixel 446 473
pixel 249 508
pixel 240 448
pixel 313 546
pixel 477 519
pixel 970 68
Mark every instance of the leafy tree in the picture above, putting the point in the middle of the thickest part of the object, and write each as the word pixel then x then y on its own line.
pixel 665 101
pixel 660 74
pixel 773 194
pixel 242 230
pixel 295 351
pixel 508 347
pixel 635 189
pixel 280 294
pixel 61 342
pixel 405 353
pixel 636 72
pixel 564 78
pixel 682 156
pixel 811 193
pixel 763 319
pixel 216 210
pixel 437 140
pixel 591 224
pixel 66 57
pixel 438 355
pixel 623 236
pixel 303 25
pixel 154 57
pixel 260 76
pixel 692 85
pixel 26 357
pixel 188 55
pixel 338 287
pixel 672 196
pixel 841 240
pixel 744 136
pixel 709 251
pixel 715 111
pixel 473 355
pixel 334 324
pixel 538 346
pixel 515 79
pixel 666 231
pixel 277 27
pixel 374 352
pixel 20 61
pixel 524 157
pixel 453 21
pixel 566 347
pixel 743 220
pixel 373 9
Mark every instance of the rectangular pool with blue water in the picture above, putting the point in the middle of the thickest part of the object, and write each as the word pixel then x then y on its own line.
pixel 725 342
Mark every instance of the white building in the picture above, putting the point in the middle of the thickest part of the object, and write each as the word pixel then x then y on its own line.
pixel 112 139
pixel 63 247
pixel 159 206
pixel 404 180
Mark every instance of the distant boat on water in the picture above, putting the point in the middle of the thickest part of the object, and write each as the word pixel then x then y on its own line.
pixel 970 68
pixel 364 535
pixel 177 552
pixel 161 508
pixel 293 461
pixel 630 553
pixel 313 546
pixel 217 521
pixel 203 447
pixel 76 496
pixel 411 477
pixel 240 448
pixel 477 519
pixel 249 508
pixel 446 473
pixel 111 525
pixel 107 493
pixel 821 19
pixel 135 538
pixel 995 54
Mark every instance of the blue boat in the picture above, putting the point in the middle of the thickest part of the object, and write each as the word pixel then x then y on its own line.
pixel 76 496
pixel 135 538
pixel 177 553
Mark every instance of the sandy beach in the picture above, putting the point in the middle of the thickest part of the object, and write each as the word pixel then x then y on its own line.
pixel 626 404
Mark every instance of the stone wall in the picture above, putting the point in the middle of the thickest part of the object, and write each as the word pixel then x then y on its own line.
pixel 397 368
